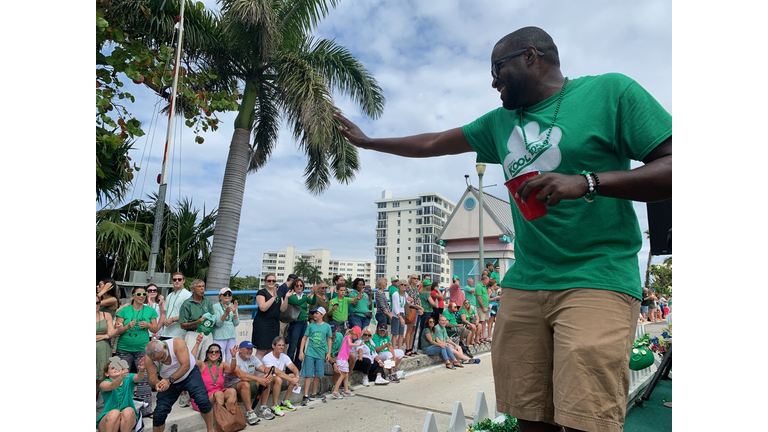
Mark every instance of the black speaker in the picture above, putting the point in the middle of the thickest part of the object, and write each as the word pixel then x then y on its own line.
pixel 660 226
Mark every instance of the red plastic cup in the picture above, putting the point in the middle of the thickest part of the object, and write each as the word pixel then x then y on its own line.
pixel 531 209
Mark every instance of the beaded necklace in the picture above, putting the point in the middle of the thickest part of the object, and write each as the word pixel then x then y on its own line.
pixel 545 144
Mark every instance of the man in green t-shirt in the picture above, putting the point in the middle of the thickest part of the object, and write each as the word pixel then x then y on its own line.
pixel 393 288
pixel 495 273
pixel 470 293
pixel 574 139
pixel 191 314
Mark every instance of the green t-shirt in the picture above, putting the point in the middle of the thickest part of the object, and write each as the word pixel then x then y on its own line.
pixel 362 304
pixel 451 317
pixel 137 338
pixel 392 289
pixel 494 275
pixel 336 344
pixel 425 296
pixel 342 312
pixel 468 314
pixel 603 122
pixel 317 343
pixel 379 341
pixel 469 296
pixel 481 291
pixel 425 343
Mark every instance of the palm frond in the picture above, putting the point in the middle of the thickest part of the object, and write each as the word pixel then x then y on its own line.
pixel 266 125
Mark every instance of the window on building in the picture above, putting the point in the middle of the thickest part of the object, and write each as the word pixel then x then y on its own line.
pixel 395 204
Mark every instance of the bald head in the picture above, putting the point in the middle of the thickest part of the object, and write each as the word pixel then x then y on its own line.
pixel 535 36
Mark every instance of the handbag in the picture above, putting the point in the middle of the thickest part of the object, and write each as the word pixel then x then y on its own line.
pixel 410 316
pixel 290 314
pixel 229 418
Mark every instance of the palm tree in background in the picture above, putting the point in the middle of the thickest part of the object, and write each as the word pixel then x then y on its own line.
pixel 305 270
pixel 286 75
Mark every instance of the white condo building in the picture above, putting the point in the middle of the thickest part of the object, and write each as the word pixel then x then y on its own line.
pixel 407 231
pixel 281 263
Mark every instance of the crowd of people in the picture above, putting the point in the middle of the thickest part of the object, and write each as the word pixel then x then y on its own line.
pixel 330 332
pixel 654 307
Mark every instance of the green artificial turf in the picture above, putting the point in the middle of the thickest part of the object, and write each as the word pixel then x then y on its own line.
pixel 652 415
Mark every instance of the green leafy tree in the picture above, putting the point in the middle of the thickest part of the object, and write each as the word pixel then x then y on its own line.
pixel 134 43
pixel 123 236
pixel 661 277
pixel 286 74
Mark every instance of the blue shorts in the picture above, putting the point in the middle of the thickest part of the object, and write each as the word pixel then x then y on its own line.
pixel 397 327
pixel 643 309
pixel 312 367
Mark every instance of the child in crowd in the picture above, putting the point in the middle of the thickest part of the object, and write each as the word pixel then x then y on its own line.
pixel 342 361
pixel 314 352
pixel 117 389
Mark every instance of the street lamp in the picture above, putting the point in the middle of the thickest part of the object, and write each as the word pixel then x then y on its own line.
pixel 480 168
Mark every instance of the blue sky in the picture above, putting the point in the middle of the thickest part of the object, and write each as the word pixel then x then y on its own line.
pixel 433 65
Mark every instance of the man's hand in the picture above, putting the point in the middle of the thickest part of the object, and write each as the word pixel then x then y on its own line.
pixel 350 130
pixel 554 188
pixel 233 351
pixel 168 321
pixel 163 385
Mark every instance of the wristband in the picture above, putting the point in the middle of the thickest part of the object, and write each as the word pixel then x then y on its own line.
pixel 591 192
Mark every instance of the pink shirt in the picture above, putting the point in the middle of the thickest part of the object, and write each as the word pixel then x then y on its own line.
pixel 456 294
pixel 345 348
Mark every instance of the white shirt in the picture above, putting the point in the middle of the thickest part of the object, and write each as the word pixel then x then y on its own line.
pixel 398 302
pixel 173 304
pixel 280 363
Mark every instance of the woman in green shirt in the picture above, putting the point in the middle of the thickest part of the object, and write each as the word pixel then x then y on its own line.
pixel 433 343
pixel 134 323
pixel 297 328
pixel 465 314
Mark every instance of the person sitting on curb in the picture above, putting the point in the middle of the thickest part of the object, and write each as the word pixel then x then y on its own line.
pixel 466 314
pixel 281 364
pixel 368 351
pixel 430 345
pixel 384 348
pixel 453 328
pixel 250 381
pixel 442 337
pixel 117 388
pixel 213 377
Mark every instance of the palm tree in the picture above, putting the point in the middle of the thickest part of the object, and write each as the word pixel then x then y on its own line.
pixel 302 268
pixel 314 276
pixel 287 75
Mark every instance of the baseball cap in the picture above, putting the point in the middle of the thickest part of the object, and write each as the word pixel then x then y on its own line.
pixel 394 278
pixel 319 309
pixel 333 327
pixel 246 344
pixel 426 282
pixel 382 326
pixel 452 306
pixel 223 290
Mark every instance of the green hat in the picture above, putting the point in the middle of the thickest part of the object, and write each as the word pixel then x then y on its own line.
pixel 426 282
pixel 456 277
pixel 394 278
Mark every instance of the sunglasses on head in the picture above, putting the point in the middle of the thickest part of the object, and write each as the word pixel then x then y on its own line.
pixel 178 279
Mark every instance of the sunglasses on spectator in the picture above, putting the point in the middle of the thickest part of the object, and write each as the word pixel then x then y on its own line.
pixel 227 294
pixel 151 290
pixel 214 352
pixel 270 280
pixel 178 279
pixel 366 334
pixel 140 294
pixel 299 286
pixel 403 284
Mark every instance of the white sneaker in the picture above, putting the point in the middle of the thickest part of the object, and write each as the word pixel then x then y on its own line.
pixel 365 381
pixel 251 418
pixel 184 400
pixel 381 381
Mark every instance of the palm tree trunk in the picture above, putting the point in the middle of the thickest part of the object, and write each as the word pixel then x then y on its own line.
pixel 230 207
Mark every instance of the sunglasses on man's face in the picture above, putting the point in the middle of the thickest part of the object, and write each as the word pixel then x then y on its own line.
pixel 178 279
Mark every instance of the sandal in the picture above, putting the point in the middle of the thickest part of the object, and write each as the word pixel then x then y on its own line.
pixel 449 366
pixel 458 364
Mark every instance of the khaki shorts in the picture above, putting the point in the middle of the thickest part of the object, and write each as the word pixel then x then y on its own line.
pixel 482 316
pixel 562 357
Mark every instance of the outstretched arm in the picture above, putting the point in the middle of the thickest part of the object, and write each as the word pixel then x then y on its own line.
pixel 449 142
